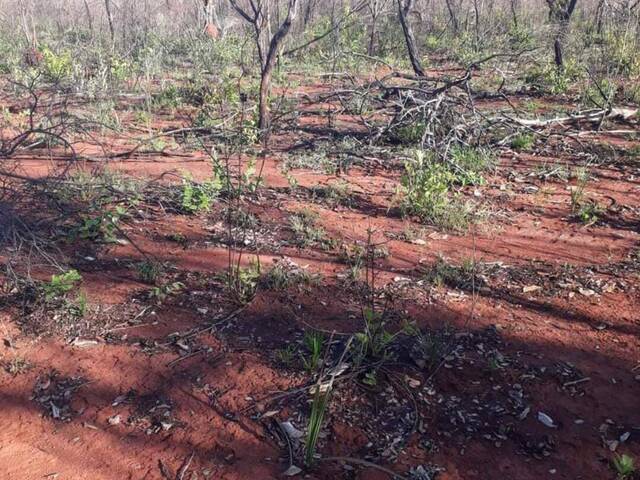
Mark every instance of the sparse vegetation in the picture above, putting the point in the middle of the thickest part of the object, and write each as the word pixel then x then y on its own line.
pixel 624 466
pixel 356 230
pixel 61 284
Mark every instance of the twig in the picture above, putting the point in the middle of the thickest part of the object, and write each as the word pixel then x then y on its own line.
pixel 364 463
pixel 185 466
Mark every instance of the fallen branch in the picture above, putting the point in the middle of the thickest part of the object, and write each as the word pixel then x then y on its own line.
pixel 624 114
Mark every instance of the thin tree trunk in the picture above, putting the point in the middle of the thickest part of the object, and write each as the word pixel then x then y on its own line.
pixel 404 8
pixel 107 6
pixel 514 12
pixel 453 16
pixel 560 13
pixel 89 16
pixel 264 119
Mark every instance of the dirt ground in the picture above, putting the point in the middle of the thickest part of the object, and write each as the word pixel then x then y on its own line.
pixel 540 377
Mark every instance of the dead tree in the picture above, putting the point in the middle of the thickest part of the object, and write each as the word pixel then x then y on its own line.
pixel 560 12
pixel 258 16
pixel 404 9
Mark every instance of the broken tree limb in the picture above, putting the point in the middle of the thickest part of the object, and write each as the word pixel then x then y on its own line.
pixel 588 116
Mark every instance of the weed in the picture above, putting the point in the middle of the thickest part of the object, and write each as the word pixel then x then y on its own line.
pixel 61 284
pixel 178 238
pixel 79 307
pixel 198 197
pixel 56 66
pixel 370 378
pixel 285 275
pixel 17 366
pixel 523 141
pixel 336 193
pixel 242 282
pixel 149 271
pixel 424 192
pixel 318 160
pixel 588 213
pixel 374 341
pixel 443 273
pixel 286 355
pixel 624 466
pixel 470 163
pixel 168 98
pixel 305 230
pixel 162 292
pixel 599 93
pixel 313 342
pixel 409 134
pixel 318 409
pixel 428 348
pixel 578 192
pixel 548 171
pixel 100 227
pixel 493 363
pixel 557 81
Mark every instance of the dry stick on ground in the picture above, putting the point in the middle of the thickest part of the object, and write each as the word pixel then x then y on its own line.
pixel 364 463
pixel 588 116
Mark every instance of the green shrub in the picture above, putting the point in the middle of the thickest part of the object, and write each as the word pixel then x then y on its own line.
pixel 56 67
pixel 61 284
pixel 470 163
pixel 425 193
pixel 523 141
pixel 198 197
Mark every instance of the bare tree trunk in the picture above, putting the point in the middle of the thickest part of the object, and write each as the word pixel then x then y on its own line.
pixel 513 4
pixel 453 16
pixel 560 12
pixel 107 6
pixel 404 8
pixel 89 16
pixel 602 4
pixel 268 49
pixel 476 10
pixel 264 122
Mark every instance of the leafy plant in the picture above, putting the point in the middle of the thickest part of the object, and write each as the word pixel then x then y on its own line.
pixel 523 141
pixel 198 197
pixel 624 466
pixel 286 355
pixel 306 232
pixel 61 284
pixel 424 192
pixel 313 342
pixel 242 282
pixel 162 292
pixel 588 213
pixel 149 271
pixel 101 226
pixel 56 66
pixel 318 408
